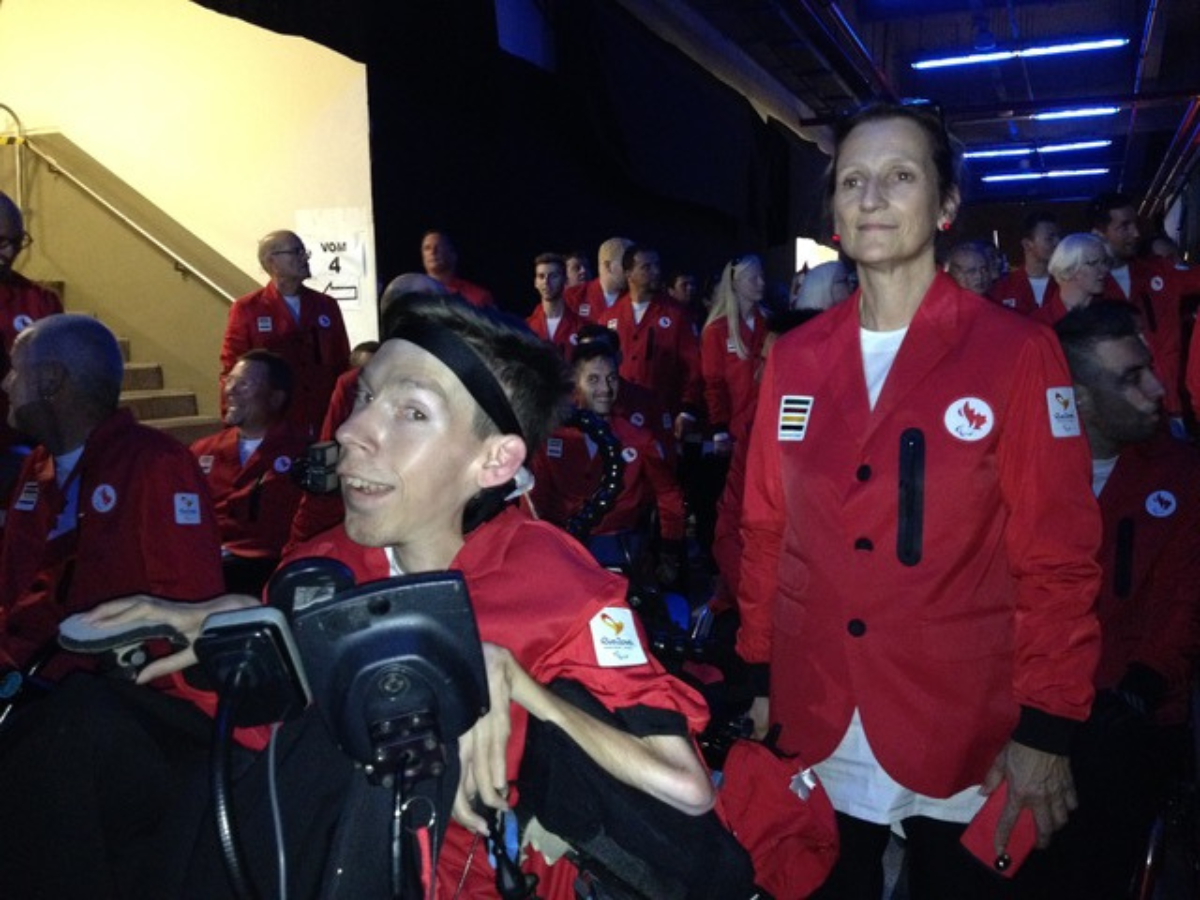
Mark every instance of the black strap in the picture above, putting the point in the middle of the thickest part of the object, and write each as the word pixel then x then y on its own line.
pixel 475 376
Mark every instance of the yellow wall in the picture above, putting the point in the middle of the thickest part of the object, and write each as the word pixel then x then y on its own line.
pixel 230 129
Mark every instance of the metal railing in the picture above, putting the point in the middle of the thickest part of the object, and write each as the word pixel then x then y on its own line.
pixel 23 143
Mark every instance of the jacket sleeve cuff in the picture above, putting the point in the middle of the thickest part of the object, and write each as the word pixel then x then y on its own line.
pixel 1044 731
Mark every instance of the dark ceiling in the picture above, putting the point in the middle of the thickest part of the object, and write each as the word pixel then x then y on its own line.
pixel 835 55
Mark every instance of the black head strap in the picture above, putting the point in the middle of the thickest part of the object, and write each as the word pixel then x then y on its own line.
pixel 465 363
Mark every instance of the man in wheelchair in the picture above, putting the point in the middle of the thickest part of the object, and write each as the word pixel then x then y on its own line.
pixel 103 783
pixel 639 531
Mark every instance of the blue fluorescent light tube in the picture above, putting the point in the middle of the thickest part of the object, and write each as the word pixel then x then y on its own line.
pixel 1035 176
pixel 1081 113
pixel 971 59
pixel 1002 152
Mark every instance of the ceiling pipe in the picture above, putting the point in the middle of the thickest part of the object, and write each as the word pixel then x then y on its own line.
pixel 1143 50
pixel 696 37
pixel 851 47
pixel 1182 151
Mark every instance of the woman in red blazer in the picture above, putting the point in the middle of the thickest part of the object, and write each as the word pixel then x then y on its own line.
pixel 920 537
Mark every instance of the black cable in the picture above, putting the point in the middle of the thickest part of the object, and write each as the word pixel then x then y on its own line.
pixel 222 786
pixel 398 839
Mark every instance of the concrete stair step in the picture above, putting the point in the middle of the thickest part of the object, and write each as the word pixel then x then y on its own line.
pixel 142 377
pixel 187 428
pixel 160 404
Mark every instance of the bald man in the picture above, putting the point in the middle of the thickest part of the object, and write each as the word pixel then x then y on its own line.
pixel 104 506
pixel 303 326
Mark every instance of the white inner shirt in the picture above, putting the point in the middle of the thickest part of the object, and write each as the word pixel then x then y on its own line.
pixel 855 781
pixel 1039 288
pixel 879 349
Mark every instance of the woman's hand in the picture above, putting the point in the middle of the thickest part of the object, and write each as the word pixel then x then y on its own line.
pixel 186 618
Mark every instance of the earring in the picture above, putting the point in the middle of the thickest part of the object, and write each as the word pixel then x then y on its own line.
pixel 945 226
pixel 836 238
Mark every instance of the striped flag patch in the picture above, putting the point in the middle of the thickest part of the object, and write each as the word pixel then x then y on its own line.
pixel 794 413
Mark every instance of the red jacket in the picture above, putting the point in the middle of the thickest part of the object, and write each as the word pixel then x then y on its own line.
pixel 730 388
pixel 1192 379
pixel 144 525
pixel 475 294
pixel 1149 604
pixel 316 346
pixel 536 592
pixel 945 599
pixel 566 336
pixel 588 301
pixel 661 352
pixel 21 303
pixel 1014 291
pixel 1156 289
pixel 254 503
pixel 320 512
pixel 566 477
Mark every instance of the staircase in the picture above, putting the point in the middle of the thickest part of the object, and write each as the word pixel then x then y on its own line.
pixel 173 411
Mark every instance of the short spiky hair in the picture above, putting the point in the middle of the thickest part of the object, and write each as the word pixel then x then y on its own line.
pixel 1083 328
pixel 529 370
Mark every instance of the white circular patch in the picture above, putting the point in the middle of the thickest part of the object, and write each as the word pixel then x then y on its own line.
pixel 22 322
pixel 324 321
pixel 969 419
pixel 664 322
pixel 638 419
pixel 629 454
pixel 1161 504
pixel 283 464
pixel 1156 283
pixel 104 498
pixel 573 340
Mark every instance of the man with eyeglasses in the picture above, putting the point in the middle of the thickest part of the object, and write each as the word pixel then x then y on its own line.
pixel 300 324
pixel 22 302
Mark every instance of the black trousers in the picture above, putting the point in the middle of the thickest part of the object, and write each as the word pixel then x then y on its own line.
pixel 936 866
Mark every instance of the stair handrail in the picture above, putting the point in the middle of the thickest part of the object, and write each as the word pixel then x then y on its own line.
pixel 18 158
pixel 180 263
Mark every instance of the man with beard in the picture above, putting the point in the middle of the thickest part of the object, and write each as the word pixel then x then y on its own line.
pixel 1135 741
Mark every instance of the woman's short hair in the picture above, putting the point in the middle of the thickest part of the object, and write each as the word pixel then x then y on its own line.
pixel 1068 255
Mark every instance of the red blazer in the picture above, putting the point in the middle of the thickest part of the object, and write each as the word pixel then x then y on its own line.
pixel 661 352
pixel 535 591
pixel 730 389
pixel 145 524
pixel 565 337
pixel 316 346
pixel 254 503
pixel 566 476
pixel 1149 604
pixel 1015 292
pixel 945 600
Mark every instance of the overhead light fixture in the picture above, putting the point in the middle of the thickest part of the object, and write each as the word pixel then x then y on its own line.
pixel 1003 152
pixel 972 59
pixel 1054 173
pixel 1080 113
